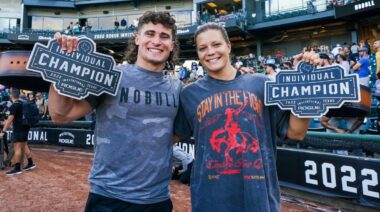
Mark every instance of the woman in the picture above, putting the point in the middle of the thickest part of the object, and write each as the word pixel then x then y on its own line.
pixel 234 167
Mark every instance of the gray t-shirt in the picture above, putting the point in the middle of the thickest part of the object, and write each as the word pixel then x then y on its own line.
pixel 133 137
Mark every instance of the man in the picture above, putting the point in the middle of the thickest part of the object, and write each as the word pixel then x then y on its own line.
pixel 333 125
pixel 133 143
pixel 42 105
pixel 235 134
pixel 355 49
pixel 182 164
pixel 30 97
pixel 336 50
pixel 20 134
pixel 342 60
pixel 376 46
pixel 270 71
pixel 362 67
pixel 251 62
pixel 324 60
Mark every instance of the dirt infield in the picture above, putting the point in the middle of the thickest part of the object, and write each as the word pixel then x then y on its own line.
pixel 59 183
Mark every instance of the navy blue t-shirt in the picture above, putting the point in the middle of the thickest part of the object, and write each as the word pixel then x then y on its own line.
pixel 235 143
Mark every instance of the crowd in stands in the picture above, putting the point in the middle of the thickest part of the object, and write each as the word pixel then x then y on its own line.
pixel 333 3
pixel 216 15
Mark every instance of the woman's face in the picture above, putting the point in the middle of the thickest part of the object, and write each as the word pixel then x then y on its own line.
pixel 213 51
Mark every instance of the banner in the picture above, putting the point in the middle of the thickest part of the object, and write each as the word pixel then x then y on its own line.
pixel 77 74
pixel 60 136
pixel 310 91
pixel 357 7
pixel 330 174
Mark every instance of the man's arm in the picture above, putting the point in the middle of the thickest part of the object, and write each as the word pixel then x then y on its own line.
pixel 297 127
pixel 356 66
pixel 326 124
pixel 8 123
pixel 64 109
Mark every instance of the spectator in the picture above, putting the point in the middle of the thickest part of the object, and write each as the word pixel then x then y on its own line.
pixel 270 71
pixel 76 28
pixel 331 59
pixel 311 7
pixel 123 23
pixel 238 63
pixel 20 134
pixel 250 61
pixel 182 164
pixel 332 125
pixel 70 28
pixel 355 49
pixel 205 16
pixel 42 106
pixel 216 13
pixel 325 60
pixel 288 66
pixel 182 73
pixel 194 68
pixel 336 50
pixel 362 67
pixel 343 62
pixel 30 96
pixel 270 60
pixel 116 23
pixel 376 46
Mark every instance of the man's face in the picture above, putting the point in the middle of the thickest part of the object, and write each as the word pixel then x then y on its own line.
pixel 346 51
pixel 376 44
pixel 361 53
pixel 155 42
pixel 38 96
pixel 268 69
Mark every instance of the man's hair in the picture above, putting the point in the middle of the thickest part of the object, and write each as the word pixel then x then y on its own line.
pixel 15 93
pixel 273 66
pixel 163 18
pixel 211 26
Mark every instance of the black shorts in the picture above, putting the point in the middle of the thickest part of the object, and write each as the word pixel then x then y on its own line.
pixel 99 203
pixel 20 137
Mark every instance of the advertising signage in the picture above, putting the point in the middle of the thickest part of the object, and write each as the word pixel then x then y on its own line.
pixel 358 7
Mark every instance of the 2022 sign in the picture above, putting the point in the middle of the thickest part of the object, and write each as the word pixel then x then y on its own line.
pixel 350 178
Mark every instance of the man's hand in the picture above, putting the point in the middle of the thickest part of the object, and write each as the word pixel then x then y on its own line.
pixel 2 135
pixel 340 131
pixel 309 57
pixel 69 43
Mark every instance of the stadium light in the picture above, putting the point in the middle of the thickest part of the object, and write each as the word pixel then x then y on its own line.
pixel 212 4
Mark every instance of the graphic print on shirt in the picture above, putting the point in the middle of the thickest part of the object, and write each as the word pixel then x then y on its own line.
pixel 157 98
pixel 237 149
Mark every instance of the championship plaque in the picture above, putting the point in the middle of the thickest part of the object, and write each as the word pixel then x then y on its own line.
pixel 311 92
pixel 77 74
